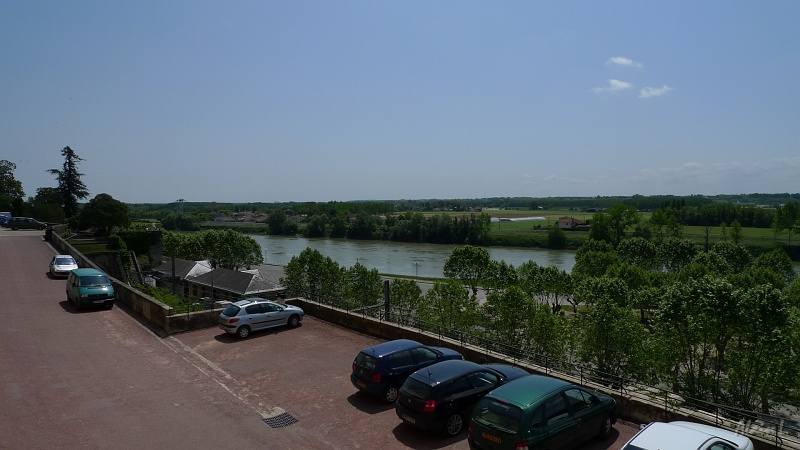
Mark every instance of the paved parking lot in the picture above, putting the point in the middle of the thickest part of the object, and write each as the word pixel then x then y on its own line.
pixel 99 379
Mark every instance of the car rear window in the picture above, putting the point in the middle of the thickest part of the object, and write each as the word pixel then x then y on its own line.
pixel 366 361
pixel 64 261
pixel 498 414
pixel 416 388
pixel 94 280
pixel 231 310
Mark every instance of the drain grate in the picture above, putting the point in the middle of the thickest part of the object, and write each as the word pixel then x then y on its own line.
pixel 279 421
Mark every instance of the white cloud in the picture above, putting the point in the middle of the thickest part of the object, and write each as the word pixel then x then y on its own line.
pixel 622 61
pixel 654 92
pixel 613 86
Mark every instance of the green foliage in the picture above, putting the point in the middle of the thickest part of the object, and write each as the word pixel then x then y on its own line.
pixel 704 330
pixel 180 222
pixel 277 222
pixel 70 185
pixel 405 299
pixel 499 276
pixel 166 297
pixel 556 239
pixel 316 226
pixel 227 249
pixel 467 264
pixel 313 276
pixel 231 250
pixel 613 341
pixel 10 187
pixel 117 244
pixel 448 306
pixel 362 287
pixel 104 213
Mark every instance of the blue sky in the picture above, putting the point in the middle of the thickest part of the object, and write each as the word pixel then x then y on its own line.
pixel 262 101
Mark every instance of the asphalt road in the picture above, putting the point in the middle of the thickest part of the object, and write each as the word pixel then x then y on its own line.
pixel 100 379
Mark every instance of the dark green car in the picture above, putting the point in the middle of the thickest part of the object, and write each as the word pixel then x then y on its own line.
pixel 542 413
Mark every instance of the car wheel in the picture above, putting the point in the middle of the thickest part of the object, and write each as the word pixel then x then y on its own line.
pixel 453 425
pixel 294 321
pixel 243 331
pixel 605 428
pixel 390 394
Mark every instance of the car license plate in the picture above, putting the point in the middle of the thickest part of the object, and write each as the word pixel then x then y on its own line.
pixel 491 437
pixel 409 419
pixel 361 384
pixel 99 301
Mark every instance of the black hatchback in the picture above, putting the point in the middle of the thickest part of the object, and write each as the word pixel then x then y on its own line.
pixel 440 397
pixel 380 370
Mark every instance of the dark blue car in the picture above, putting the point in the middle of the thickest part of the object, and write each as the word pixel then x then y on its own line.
pixel 440 397
pixel 380 370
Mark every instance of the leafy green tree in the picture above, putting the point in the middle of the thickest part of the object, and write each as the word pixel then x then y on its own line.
pixel 362 287
pixel 363 227
pixel 593 290
pixel 276 222
pixel 613 341
pixel 180 222
pixel 316 225
pixel 69 180
pixel 659 220
pixel 622 217
pixel 792 293
pixel 638 251
pixel 46 205
pixel 736 255
pixel 505 314
pixel 786 219
pixel 601 229
pixel 104 213
pixel 10 187
pixel 232 250
pixel 761 367
pixel 545 335
pixel 448 306
pixel 338 227
pixel 705 264
pixel 499 276
pixel 556 239
pixel 467 264
pixel 556 286
pixel 736 231
pixel 189 246
pixel 779 262
pixel 406 296
pixel 313 276
pixel 700 319
pixel 594 258
pixel 674 253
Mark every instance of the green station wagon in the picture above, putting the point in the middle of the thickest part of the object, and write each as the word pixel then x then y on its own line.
pixel 539 412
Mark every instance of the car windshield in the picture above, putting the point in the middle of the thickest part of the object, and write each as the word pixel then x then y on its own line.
pixel 231 310
pixel 64 261
pixel 417 389
pixel 94 280
pixel 499 415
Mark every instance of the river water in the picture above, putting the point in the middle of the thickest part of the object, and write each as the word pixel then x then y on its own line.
pixel 400 258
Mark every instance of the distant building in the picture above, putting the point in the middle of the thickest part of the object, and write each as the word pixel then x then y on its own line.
pixel 571 223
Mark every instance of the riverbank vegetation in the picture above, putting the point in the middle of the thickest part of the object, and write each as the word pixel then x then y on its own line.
pixel 760 222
